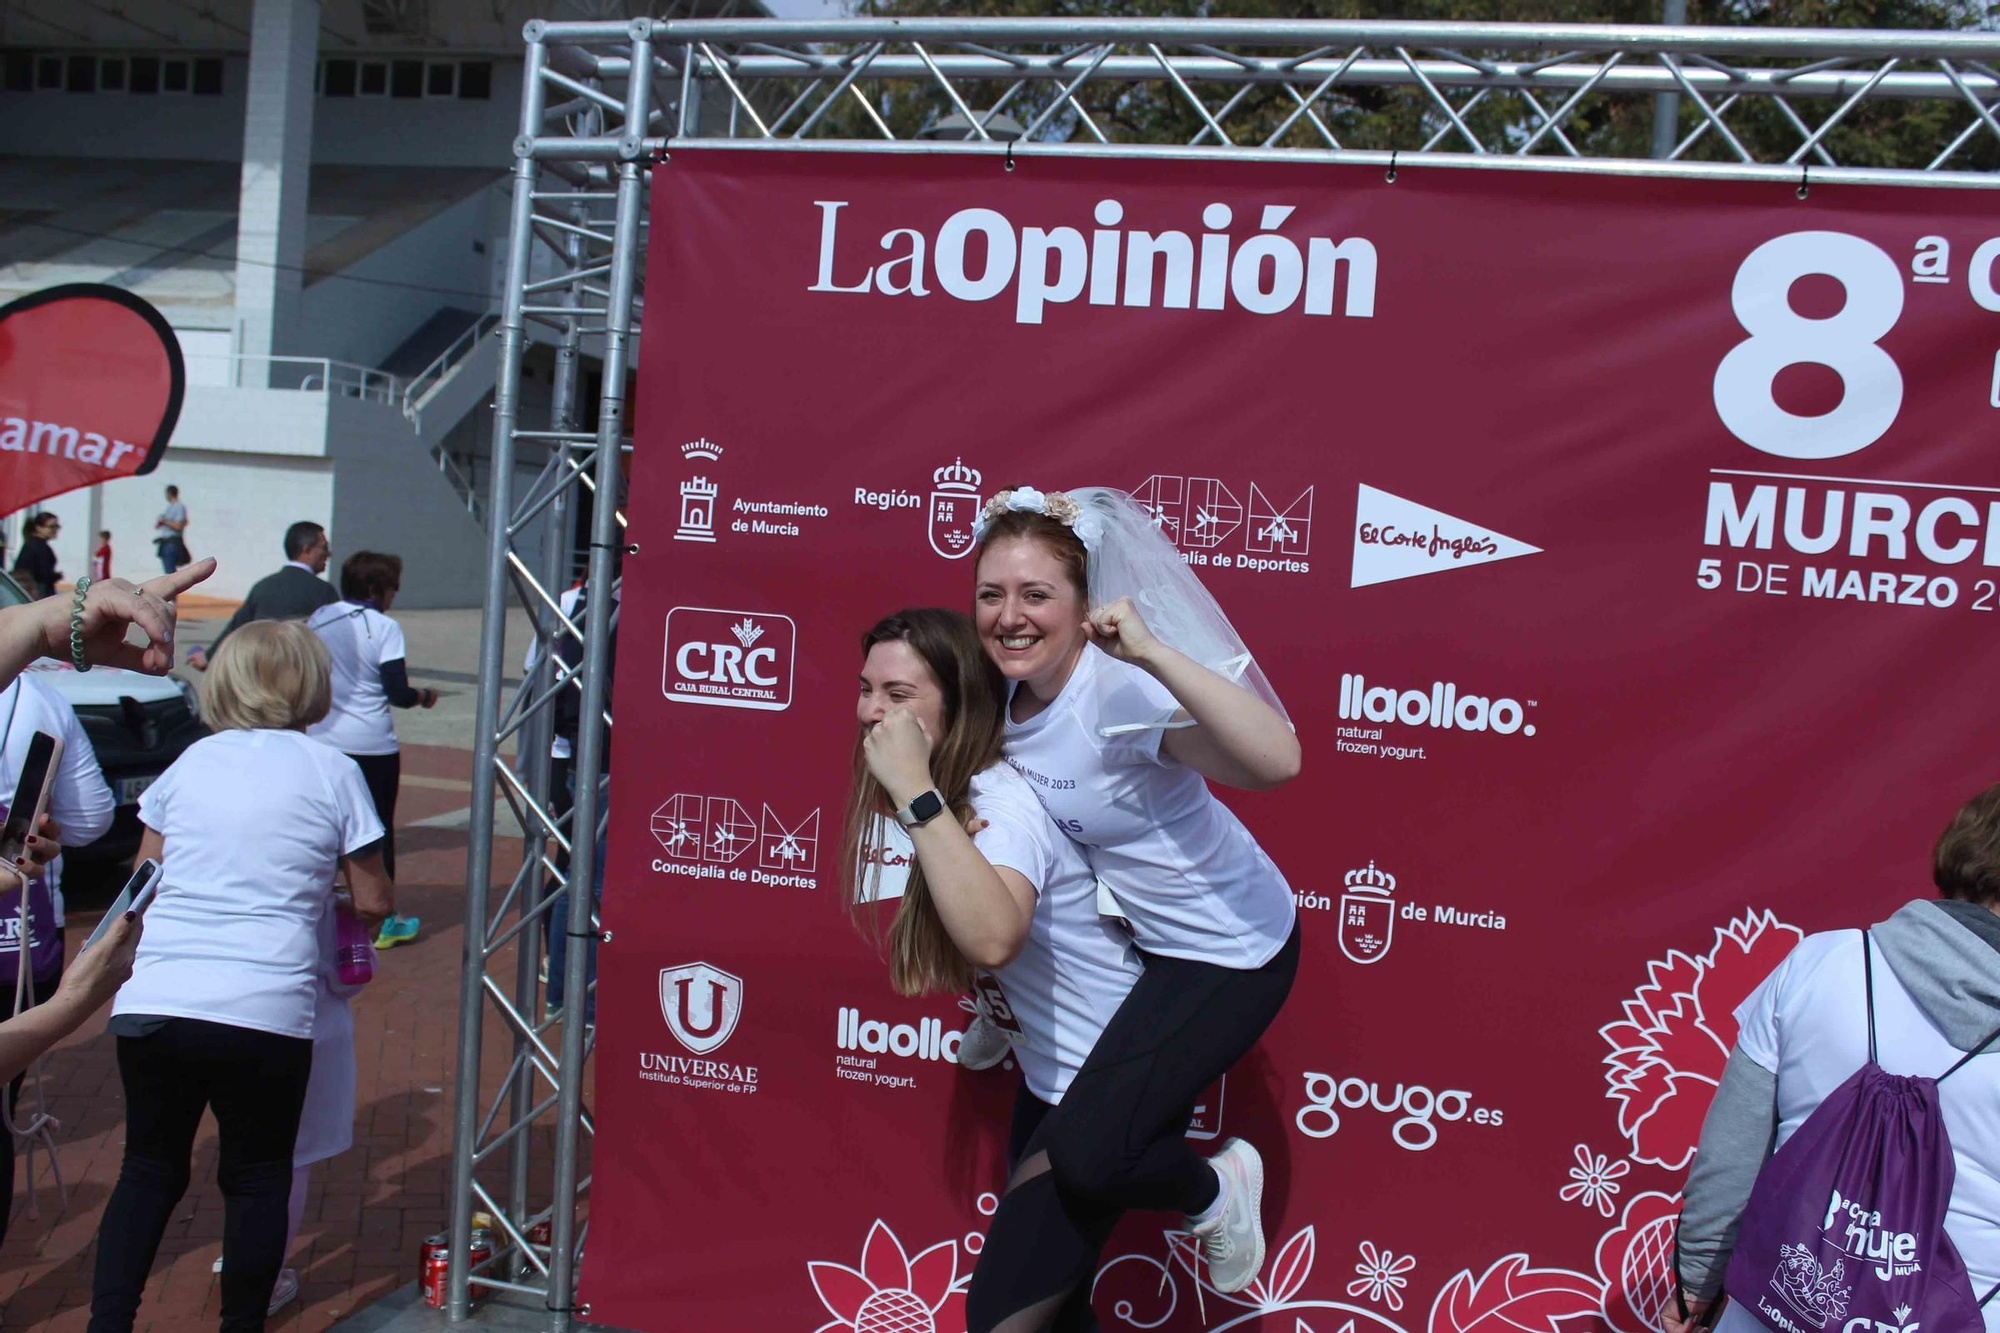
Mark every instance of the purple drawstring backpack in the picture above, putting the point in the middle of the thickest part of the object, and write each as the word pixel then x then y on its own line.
pixel 1844 1231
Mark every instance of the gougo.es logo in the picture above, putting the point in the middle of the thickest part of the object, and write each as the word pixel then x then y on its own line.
pixel 1418 1109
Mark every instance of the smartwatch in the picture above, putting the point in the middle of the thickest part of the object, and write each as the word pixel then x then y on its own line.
pixel 922 809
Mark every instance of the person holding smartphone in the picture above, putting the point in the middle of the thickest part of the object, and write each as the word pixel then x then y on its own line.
pixel 252 825
pixel 81 805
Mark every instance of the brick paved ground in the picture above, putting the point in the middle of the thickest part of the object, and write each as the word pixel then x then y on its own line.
pixel 367 1210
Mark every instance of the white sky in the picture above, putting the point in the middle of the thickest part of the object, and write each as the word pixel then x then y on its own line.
pixel 804 9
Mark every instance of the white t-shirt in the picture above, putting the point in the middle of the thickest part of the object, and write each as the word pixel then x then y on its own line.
pixel 80 799
pixel 1808 1024
pixel 253 824
pixel 360 640
pixel 1076 967
pixel 1186 873
pixel 560 747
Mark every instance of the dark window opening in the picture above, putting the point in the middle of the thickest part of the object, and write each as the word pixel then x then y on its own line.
pixel 475 80
pixel 145 74
pixel 374 79
pixel 111 75
pixel 48 72
pixel 174 76
pixel 83 74
pixel 340 78
pixel 440 79
pixel 208 77
pixel 20 72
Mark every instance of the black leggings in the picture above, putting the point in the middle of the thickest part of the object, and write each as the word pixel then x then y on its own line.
pixel 255 1082
pixel 384 774
pixel 1119 1138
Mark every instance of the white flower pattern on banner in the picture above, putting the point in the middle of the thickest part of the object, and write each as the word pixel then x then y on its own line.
pixel 1594 1180
pixel 892 1291
pixel 1382 1276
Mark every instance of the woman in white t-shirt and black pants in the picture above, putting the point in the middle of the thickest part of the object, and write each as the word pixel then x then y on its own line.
pixel 252 825
pixel 1118 735
pixel 370 677
pixel 1015 899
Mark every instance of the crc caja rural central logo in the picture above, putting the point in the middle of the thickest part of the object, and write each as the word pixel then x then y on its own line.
pixel 731 659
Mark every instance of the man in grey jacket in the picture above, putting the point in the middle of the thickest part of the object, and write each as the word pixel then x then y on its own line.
pixel 1945 954
pixel 293 593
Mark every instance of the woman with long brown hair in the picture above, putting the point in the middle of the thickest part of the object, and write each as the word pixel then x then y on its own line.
pixel 1013 901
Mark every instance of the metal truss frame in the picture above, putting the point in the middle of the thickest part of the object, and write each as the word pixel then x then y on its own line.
pixel 590 134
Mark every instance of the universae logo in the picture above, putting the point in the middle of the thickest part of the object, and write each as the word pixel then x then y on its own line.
pixel 730 659
pixel 701 1004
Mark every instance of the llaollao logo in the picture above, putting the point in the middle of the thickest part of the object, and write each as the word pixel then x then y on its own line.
pixel 1443 704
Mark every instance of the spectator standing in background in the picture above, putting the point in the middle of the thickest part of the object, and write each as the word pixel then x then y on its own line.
pixel 170 532
pixel 100 559
pixel 35 568
pixel 369 678
pixel 252 825
pixel 293 593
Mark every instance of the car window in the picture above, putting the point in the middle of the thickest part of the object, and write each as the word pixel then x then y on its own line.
pixel 11 593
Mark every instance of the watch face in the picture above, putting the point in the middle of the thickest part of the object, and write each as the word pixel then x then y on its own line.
pixel 926 806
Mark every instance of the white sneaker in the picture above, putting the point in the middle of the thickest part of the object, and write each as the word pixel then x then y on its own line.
pixel 984 1045
pixel 285 1292
pixel 1233 1243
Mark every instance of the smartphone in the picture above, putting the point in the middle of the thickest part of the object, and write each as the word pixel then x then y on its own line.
pixel 136 896
pixel 31 794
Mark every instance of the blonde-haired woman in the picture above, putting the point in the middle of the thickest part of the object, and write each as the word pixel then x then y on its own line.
pixel 252 826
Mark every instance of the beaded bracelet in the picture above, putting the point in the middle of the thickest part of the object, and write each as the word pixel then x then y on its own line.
pixel 76 656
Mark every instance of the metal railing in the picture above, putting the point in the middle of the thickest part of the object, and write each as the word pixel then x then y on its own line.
pixel 1884 107
pixel 306 374
pixel 426 380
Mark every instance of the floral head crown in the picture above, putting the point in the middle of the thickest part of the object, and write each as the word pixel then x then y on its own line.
pixel 1061 506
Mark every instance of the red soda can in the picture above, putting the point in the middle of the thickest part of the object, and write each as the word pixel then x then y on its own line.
pixel 541 1234
pixel 434 1269
pixel 481 1249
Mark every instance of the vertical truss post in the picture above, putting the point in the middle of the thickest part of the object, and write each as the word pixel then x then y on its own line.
pixel 1667 106
pixel 591 731
pixel 536 733
pixel 486 711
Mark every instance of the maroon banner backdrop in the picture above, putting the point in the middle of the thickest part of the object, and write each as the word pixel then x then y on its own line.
pixel 90 387
pixel 1625 552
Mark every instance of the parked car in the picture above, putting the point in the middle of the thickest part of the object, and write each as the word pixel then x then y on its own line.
pixel 138 724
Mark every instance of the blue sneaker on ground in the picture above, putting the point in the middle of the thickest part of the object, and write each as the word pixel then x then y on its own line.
pixel 397 930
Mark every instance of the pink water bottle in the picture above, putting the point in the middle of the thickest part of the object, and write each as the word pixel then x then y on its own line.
pixel 351 947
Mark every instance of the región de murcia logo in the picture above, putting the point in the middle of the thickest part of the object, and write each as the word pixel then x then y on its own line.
pixel 1367 914
pixel 954 504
